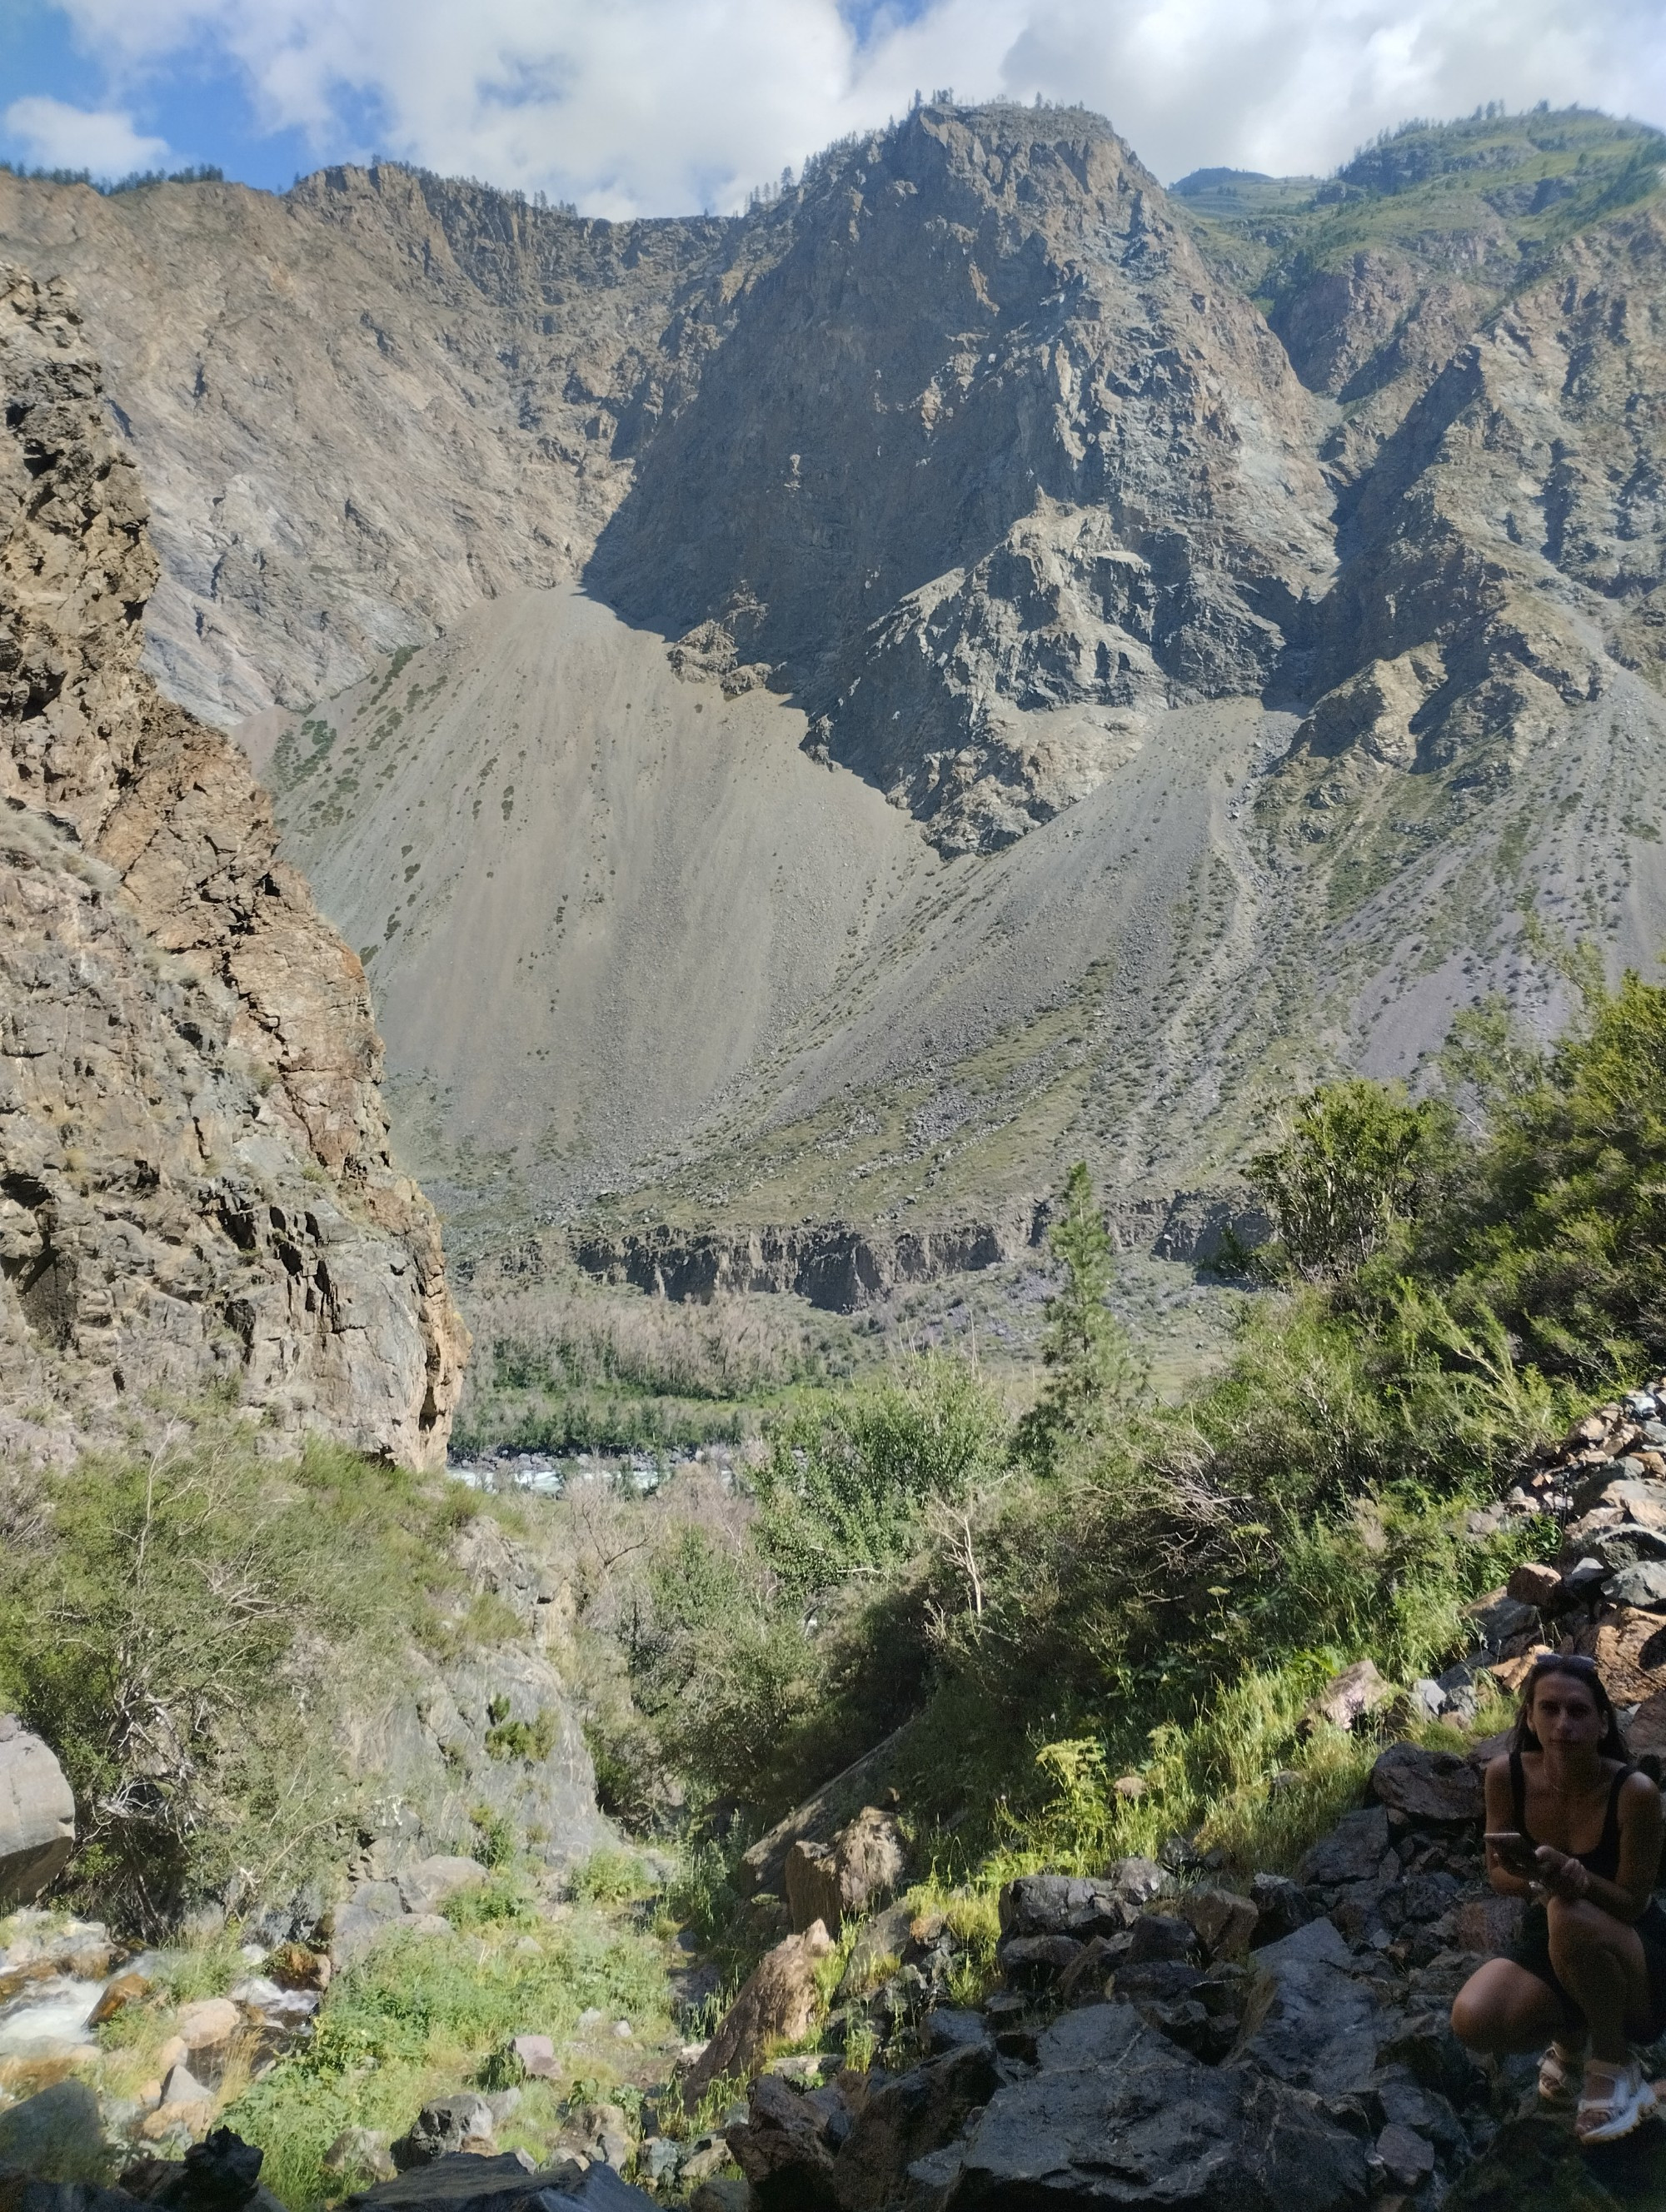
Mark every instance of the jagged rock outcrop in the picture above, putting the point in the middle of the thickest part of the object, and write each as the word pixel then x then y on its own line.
pixel 195 1186
pixel 1505 560
pixel 988 472
pixel 842 1268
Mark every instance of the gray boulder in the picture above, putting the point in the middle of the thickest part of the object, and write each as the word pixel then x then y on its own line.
pixel 1352 1851
pixel 1281 1907
pixel 375 1910
pixel 1313 2020
pixel 1643 1586
pixel 37 1814
pixel 1065 1905
pixel 917 2114
pixel 1116 2115
pixel 56 2135
pixel 785 2149
pixel 425 1886
pixel 443 2127
pixel 1422 1788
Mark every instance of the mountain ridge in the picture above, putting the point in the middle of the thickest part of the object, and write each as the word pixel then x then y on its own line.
pixel 1280 712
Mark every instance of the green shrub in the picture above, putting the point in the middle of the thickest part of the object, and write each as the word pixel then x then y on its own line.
pixel 1565 1239
pixel 1356 1160
pixel 847 1485
pixel 177 1627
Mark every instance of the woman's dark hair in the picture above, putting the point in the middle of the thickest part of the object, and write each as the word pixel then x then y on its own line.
pixel 1578 1668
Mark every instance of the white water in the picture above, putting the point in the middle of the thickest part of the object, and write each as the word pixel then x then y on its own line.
pixel 49 2017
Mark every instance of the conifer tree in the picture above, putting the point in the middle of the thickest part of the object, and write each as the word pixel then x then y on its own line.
pixel 1092 1369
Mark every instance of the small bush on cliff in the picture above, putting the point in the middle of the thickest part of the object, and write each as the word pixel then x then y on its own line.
pixel 177 1626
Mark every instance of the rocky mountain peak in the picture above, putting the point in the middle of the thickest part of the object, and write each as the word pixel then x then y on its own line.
pixel 988 471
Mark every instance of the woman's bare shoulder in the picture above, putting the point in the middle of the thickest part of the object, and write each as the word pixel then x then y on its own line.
pixel 1639 1789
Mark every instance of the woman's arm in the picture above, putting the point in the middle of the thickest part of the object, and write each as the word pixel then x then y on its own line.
pixel 1501 1816
pixel 1641 1822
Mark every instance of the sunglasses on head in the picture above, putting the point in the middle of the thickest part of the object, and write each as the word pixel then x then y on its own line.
pixel 1557 1663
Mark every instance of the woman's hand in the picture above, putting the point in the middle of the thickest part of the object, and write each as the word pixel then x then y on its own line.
pixel 1562 1875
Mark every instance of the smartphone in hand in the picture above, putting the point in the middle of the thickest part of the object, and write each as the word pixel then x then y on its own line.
pixel 1514 1853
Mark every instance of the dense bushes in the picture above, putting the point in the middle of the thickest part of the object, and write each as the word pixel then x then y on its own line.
pixel 180 1627
pixel 1109 1581
pixel 766 1664
pixel 576 1368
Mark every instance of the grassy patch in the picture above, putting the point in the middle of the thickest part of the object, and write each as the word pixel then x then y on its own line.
pixel 424 2016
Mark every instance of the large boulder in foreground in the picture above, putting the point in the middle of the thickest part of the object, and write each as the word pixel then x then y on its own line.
pixel 37 1814
pixel 776 2004
pixel 1116 2115
pixel 56 2135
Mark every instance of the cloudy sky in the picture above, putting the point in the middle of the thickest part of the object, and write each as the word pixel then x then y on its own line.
pixel 662 106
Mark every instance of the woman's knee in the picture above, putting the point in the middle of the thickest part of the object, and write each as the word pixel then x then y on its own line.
pixel 1482 2013
pixel 1577 1929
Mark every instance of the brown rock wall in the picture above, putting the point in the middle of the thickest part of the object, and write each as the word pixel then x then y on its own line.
pixel 193 1151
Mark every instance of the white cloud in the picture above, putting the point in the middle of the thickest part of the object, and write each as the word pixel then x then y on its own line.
pixel 54 136
pixel 659 106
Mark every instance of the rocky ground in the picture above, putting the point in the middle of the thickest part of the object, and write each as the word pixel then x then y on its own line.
pixel 1181 2031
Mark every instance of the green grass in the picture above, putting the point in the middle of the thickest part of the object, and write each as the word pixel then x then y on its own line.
pixel 424 2016
pixel 1485 200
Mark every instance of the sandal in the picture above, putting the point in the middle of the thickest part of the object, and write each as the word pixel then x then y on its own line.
pixel 1614 2099
pixel 1558 2076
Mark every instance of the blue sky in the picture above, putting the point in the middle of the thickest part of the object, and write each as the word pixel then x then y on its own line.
pixel 197 103
pixel 659 106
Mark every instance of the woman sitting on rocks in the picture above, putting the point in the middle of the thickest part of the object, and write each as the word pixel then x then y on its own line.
pixel 1572 1826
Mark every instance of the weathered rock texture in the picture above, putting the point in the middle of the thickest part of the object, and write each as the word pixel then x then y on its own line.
pixel 1032 459
pixel 366 405
pixel 195 1186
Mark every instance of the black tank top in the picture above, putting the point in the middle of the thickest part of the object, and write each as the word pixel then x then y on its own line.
pixel 1604 1861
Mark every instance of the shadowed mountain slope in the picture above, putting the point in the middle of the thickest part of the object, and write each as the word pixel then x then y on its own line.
pixel 1264 691
pixel 988 471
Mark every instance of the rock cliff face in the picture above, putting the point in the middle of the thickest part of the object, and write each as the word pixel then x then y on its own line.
pixel 195 1188
pixel 1503 561
pixel 989 470
pixel 364 406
